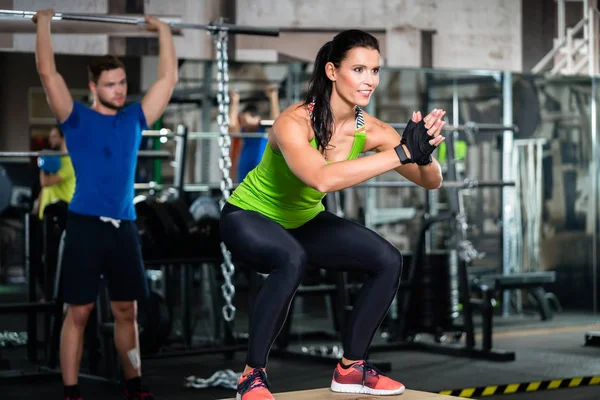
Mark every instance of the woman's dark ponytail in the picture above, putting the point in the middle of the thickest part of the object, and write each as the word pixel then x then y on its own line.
pixel 319 93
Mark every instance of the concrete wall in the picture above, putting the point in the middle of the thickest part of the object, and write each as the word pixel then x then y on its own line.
pixel 18 74
pixel 63 43
pixel 194 44
pixel 471 34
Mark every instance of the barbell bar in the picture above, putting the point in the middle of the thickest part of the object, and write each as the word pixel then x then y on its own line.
pixel 468 126
pixel 167 133
pixel 466 184
pixel 210 27
pixel 162 154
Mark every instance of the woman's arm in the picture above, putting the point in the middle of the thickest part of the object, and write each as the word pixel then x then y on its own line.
pixel 308 164
pixel 382 137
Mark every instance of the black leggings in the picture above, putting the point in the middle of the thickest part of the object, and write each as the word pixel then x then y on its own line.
pixel 327 241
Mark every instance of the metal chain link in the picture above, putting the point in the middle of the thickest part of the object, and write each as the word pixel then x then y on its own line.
pixel 13 339
pixel 466 250
pixel 226 378
pixel 227 267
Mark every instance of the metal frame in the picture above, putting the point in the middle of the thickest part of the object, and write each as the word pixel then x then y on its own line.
pixel 569 55
pixel 595 174
pixel 211 27
pixel 508 193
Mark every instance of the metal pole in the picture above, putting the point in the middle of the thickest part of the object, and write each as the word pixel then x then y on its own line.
pixel 180 158
pixel 431 196
pixel 20 154
pixel 508 193
pixel 561 19
pixel 457 273
pixel 586 14
pixel 593 47
pixel 30 275
pixel 205 144
pixel 595 175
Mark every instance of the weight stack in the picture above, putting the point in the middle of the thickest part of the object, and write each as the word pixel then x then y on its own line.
pixel 431 309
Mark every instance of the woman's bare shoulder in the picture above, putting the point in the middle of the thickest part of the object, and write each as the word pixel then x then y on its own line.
pixel 296 116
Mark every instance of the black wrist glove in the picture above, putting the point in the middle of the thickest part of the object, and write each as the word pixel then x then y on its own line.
pixel 416 139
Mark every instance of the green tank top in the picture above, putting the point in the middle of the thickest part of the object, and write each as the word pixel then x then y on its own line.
pixel 273 190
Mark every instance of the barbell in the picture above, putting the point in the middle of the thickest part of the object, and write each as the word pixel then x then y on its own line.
pixel 469 126
pixel 211 27
pixel 6 186
pixel 466 184
pixel 157 154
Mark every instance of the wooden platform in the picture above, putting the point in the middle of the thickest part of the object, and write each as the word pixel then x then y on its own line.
pixel 327 394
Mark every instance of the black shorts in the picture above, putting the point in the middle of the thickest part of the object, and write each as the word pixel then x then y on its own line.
pixel 95 250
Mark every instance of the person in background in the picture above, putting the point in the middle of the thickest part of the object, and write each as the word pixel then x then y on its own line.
pixel 57 176
pixel 57 186
pixel 248 121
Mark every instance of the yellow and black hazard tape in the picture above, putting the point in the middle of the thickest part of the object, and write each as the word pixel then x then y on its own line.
pixel 526 387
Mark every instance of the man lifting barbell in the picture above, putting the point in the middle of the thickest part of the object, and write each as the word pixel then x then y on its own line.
pixel 101 237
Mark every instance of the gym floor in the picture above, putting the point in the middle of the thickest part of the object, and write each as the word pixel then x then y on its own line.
pixel 544 351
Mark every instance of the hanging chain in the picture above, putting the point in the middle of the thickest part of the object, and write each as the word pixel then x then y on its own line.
pixel 11 339
pixel 225 378
pixel 227 267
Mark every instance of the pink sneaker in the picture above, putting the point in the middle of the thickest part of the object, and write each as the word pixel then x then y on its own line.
pixel 254 386
pixel 363 378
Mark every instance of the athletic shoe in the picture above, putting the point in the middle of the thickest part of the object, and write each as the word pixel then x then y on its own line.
pixel 254 386
pixel 362 377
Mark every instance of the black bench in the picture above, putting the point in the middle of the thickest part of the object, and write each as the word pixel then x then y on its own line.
pixel 530 281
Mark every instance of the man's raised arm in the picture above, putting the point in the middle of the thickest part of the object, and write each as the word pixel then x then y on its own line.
pixel 57 92
pixel 158 96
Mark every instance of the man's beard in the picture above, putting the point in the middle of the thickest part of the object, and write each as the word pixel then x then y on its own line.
pixel 108 104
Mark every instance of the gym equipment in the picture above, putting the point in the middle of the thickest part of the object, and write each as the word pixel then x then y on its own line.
pixel 31 308
pixel 158 154
pixel 211 27
pixel 158 229
pixel 5 190
pixel 227 267
pixel 592 338
pixel 202 236
pixel 527 229
pixel 466 184
pixel 421 293
pixel 49 164
pixel 170 232
pixel 205 207
pixel 155 323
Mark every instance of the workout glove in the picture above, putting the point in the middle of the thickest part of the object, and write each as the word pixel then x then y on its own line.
pixel 416 139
